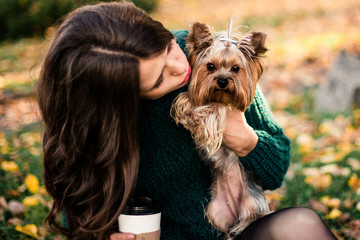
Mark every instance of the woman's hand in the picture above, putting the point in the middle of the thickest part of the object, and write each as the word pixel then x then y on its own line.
pixel 238 135
pixel 122 236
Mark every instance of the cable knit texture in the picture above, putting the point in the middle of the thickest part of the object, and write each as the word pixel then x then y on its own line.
pixel 172 172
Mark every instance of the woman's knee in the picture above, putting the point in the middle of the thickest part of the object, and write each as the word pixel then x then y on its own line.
pixel 303 216
pixel 290 223
pixel 300 223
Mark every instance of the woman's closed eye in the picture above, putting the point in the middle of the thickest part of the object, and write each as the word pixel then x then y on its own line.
pixel 160 79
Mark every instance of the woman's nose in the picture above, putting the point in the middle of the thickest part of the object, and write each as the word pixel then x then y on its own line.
pixel 175 67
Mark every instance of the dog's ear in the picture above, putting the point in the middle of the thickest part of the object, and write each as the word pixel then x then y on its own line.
pixel 200 36
pixel 256 42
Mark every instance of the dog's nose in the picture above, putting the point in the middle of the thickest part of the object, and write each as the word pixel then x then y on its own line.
pixel 222 82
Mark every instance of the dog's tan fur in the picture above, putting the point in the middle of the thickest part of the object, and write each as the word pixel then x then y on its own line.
pixel 236 198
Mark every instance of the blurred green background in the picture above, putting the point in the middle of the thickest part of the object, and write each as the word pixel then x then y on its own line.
pixel 304 37
pixel 26 18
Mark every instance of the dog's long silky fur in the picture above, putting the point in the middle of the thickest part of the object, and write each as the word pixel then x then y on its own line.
pixel 205 120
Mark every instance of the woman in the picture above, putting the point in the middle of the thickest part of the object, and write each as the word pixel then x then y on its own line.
pixel 105 92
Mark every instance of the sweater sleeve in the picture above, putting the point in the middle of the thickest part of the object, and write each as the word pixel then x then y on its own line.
pixel 269 161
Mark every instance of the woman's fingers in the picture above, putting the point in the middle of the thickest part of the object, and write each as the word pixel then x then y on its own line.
pixel 122 236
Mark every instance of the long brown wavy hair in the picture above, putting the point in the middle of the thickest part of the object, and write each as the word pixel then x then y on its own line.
pixel 88 93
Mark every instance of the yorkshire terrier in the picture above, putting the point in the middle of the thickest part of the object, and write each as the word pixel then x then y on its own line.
pixel 225 70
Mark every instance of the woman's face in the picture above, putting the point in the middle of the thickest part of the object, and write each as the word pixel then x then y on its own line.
pixel 164 73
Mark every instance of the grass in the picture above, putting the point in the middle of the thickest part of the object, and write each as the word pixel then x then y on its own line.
pixel 20 157
pixel 324 171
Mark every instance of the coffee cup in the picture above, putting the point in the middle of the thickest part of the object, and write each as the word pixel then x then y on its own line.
pixel 141 216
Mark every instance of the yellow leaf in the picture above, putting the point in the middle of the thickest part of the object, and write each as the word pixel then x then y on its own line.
pixel 35 150
pixel 4 144
pixel 331 157
pixel 305 142
pixel 325 199
pixel 320 182
pixel 326 127
pixel 30 138
pixel 273 196
pixel 9 166
pixel 42 191
pixel 354 183
pixel 30 201
pixel 291 132
pixel 334 203
pixel 335 213
pixel 29 229
pixel 32 183
pixel 345 147
pixel 331 202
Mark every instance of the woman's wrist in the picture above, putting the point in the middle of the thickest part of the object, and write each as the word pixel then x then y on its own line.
pixel 242 143
pixel 238 135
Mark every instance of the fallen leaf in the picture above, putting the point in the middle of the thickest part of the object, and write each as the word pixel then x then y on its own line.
pixel 305 142
pixel 345 147
pixel 348 203
pixel 274 199
pixel 354 229
pixel 16 208
pixel 9 166
pixel 345 217
pixel 358 206
pixel 43 232
pixel 335 213
pixel 326 127
pixel 29 229
pixel 311 172
pixel 320 183
pixel 354 183
pixel 335 170
pixel 354 163
pixel 30 201
pixel 330 158
pixel 331 202
pixel 3 203
pixel 337 234
pixel 318 206
pixel 15 221
pixel 42 191
pixel 32 183
pixel 12 193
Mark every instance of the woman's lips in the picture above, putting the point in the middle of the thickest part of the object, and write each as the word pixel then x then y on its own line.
pixel 187 75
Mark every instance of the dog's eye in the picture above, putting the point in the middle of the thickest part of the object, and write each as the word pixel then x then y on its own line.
pixel 210 67
pixel 235 69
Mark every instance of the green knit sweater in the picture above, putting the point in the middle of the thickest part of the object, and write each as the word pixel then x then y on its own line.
pixel 172 172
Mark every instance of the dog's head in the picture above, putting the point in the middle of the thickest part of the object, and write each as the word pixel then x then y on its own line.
pixel 225 68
